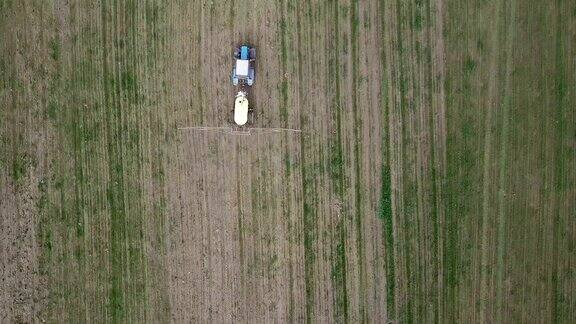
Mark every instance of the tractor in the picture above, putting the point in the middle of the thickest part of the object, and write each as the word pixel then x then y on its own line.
pixel 242 116
pixel 244 72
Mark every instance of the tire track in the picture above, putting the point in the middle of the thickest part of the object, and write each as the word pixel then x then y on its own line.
pixel 438 126
pixel 354 23
pixel 386 200
pixel 501 221
pixel 492 102
pixel 309 223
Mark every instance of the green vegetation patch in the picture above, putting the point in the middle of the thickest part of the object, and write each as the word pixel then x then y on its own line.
pixel 20 166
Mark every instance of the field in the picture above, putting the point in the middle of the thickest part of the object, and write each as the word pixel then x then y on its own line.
pixel 434 179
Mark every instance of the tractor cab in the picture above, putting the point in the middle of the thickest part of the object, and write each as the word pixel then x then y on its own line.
pixel 243 71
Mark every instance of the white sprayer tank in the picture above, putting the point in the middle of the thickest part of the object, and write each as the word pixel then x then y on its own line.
pixel 241 109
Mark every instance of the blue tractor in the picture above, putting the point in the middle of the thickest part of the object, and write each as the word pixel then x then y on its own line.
pixel 244 72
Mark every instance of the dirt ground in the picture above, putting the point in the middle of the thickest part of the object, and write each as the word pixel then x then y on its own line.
pixel 432 180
